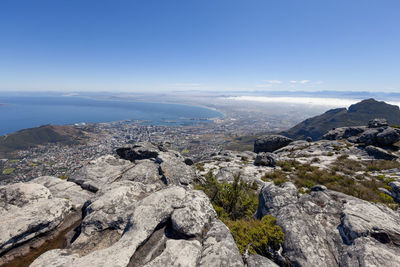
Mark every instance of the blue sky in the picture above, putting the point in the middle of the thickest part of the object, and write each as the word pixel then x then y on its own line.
pixel 165 45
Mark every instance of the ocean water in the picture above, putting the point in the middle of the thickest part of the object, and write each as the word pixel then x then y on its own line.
pixel 17 112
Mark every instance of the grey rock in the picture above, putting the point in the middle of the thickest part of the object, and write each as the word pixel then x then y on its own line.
pixel 270 143
pixel 327 228
pixel 138 151
pixel 379 153
pixel 344 132
pixel 258 261
pixel 65 190
pixel 388 137
pixel 100 172
pixel 376 123
pixel 180 253
pixel 318 188
pixel 174 170
pixel 194 218
pixel 219 248
pixel 368 137
pixel 265 159
pixel 26 211
pixel 144 171
pixel 395 185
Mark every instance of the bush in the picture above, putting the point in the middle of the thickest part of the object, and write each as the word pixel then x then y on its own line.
pixel 257 235
pixel 8 171
pixel 236 205
pixel 234 201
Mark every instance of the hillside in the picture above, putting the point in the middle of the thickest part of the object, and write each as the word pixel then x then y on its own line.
pixel 39 136
pixel 355 115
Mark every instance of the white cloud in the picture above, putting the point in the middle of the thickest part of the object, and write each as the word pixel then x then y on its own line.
pixel 274 81
pixel 263 85
pixel 299 82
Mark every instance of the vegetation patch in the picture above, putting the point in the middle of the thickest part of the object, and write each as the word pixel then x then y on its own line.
pixel 8 171
pixel 341 177
pixel 236 204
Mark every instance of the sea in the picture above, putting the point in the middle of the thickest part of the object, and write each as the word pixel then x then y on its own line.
pixel 21 112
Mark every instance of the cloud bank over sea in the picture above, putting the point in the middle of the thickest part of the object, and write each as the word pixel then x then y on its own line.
pixel 314 101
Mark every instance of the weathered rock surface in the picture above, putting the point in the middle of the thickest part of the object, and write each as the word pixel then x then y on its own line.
pixel 327 228
pixel 100 172
pixel 343 132
pixel 174 170
pixel 378 133
pixel 257 260
pixel 219 248
pixel 376 123
pixel 26 211
pixel 270 143
pixel 181 212
pixel 65 190
pixel 138 151
pixel 265 159
pixel 379 153
pixel 395 185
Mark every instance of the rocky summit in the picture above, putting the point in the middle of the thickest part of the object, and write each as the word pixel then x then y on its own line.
pixel 331 202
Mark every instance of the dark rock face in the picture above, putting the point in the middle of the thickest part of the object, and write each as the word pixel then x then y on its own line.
pixel 379 153
pixel 270 143
pixel 327 228
pixel 265 159
pixel 138 152
pixel 377 134
pixel 376 123
pixel 343 133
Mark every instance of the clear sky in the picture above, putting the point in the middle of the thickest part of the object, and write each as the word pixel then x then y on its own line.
pixel 166 45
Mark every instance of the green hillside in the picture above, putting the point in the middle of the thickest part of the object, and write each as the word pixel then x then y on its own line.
pixel 39 136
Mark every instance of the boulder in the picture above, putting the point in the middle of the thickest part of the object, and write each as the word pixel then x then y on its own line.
pixel 257 260
pixel 174 170
pixel 265 159
pixel 376 123
pixel 379 153
pixel 327 228
pixel 270 143
pixel 65 190
pixel 388 137
pixel 343 132
pixel 395 185
pixel 99 172
pixel 368 137
pixel 174 226
pixel 28 210
pixel 144 171
pixel 219 248
pixel 138 151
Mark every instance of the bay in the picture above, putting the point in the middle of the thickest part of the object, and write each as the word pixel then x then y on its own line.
pixel 20 112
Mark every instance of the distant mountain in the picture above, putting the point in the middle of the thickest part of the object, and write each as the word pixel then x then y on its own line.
pixel 40 136
pixel 357 114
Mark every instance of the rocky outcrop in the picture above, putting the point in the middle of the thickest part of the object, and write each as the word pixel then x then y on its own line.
pixel 265 159
pixel 257 260
pixel 270 143
pixel 174 170
pixel 138 151
pixel 28 210
pixel 327 228
pixel 395 193
pixel 378 133
pixel 99 172
pixel 65 190
pixel 379 153
pixel 190 232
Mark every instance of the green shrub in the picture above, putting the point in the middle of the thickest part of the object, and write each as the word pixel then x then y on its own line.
pixel 257 235
pixel 236 205
pixel 200 166
pixel 8 171
pixel 234 201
